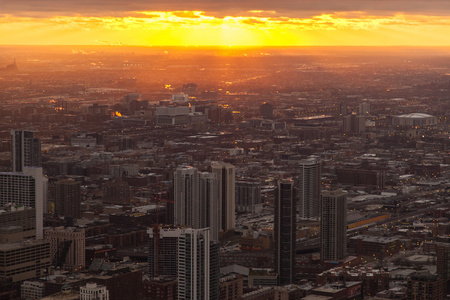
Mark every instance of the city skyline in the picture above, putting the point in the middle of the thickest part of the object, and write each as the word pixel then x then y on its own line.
pixel 222 172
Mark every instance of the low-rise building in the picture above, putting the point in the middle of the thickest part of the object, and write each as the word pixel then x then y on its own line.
pixel 375 246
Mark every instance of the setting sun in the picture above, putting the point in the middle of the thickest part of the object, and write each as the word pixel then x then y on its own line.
pixel 198 28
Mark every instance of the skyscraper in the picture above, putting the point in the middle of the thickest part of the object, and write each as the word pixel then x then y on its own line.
pixel 186 196
pixel 162 251
pixel 197 278
pixel 226 177
pixel 248 197
pixel 354 124
pixel 364 108
pixel 333 225
pixel 308 187
pixel 285 231
pixel 25 150
pixel 68 198
pixel 196 198
pixel 190 255
pixel 209 204
pixel 28 189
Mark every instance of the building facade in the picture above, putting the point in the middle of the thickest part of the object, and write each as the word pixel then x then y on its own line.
pixel 93 291
pixel 209 204
pixel 22 259
pixel 25 150
pixel 160 288
pixel 422 285
pixel 248 197
pixel 443 262
pixel 285 231
pixel 22 216
pixel 364 109
pixel 196 198
pixel 68 198
pixel 189 254
pixel 31 289
pixel 198 269
pixel 162 251
pixel 308 186
pixel 116 192
pixel 231 287
pixel 28 189
pixel 67 247
pixel 186 196
pixel 226 177
pixel 354 124
pixel 333 225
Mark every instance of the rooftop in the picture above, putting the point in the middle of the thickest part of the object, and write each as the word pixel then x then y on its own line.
pixel 415 116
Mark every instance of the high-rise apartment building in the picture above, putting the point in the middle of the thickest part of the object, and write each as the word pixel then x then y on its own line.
pixel 68 198
pixel 196 198
pixel 308 187
pixel 226 177
pixel 67 247
pixel 28 189
pixel 198 265
pixel 209 204
pixel 190 255
pixel 25 150
pixel 354 124
pixel 364 109
pixel 248 197
pixel 285 231
pixel 333 225
pixel 186 196
pixel 163 251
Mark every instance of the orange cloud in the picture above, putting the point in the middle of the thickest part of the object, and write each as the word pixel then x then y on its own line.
pixel 198 28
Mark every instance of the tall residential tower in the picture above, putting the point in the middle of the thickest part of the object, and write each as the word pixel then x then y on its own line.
pixel 186 196
pixel 196 198
pixel 308 187
pixel 25 150
pixel 285 231
pixel 226 177
pixel 28 189
pixel 190 255
pixel 333 225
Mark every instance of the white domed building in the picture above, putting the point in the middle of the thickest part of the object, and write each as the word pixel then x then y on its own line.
pixel 415 120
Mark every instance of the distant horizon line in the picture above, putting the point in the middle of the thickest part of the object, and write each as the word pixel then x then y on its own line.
pixel 229 46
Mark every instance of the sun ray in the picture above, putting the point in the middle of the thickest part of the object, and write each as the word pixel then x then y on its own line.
pixel 258 28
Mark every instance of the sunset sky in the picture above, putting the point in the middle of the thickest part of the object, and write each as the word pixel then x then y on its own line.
pixel 225 22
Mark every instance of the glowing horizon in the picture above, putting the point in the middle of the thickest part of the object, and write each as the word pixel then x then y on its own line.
pixel 255 28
